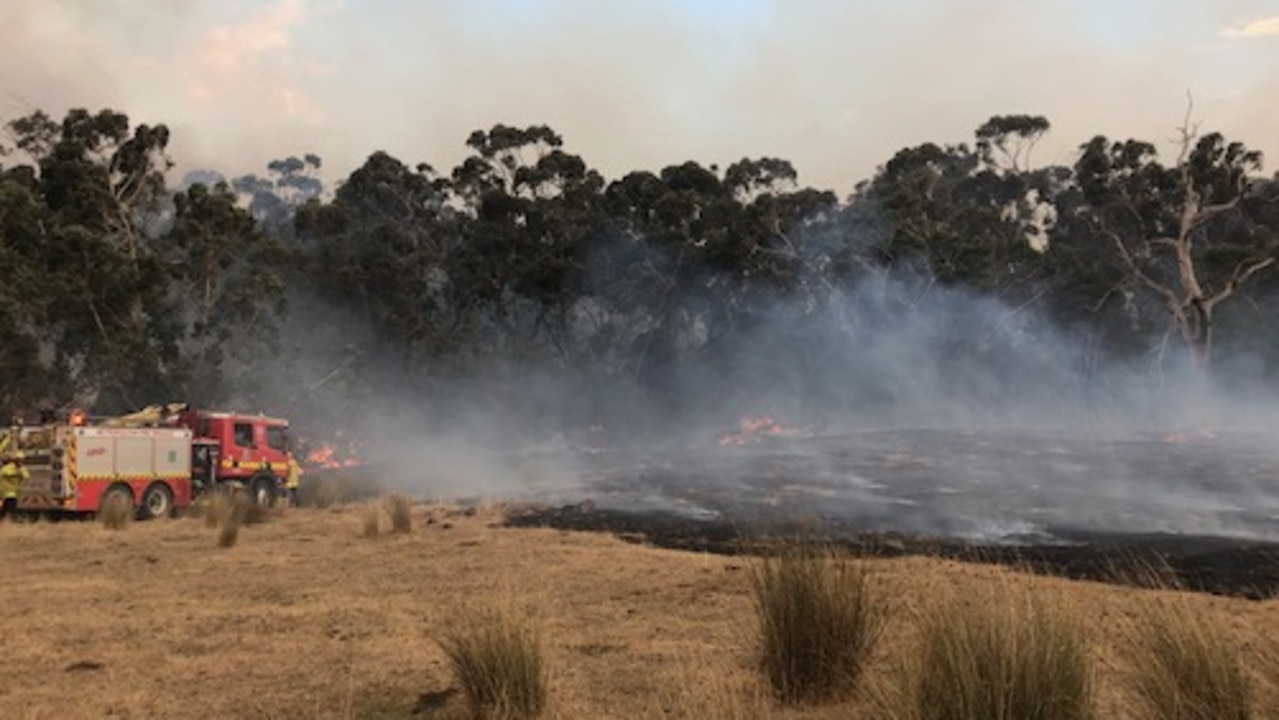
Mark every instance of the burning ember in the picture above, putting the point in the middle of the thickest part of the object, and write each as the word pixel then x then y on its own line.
pixel 753 429
pixel 337 454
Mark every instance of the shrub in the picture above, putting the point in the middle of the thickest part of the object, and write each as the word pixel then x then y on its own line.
pixel 1184 667
pixel 497 659
pixel 1001 655
pixel 819 620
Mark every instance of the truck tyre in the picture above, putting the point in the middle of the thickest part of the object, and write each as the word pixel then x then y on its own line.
pixel 264 490
pixel 157 501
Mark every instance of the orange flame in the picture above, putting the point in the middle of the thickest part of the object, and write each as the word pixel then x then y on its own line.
pixel 750 430
pixel 329 455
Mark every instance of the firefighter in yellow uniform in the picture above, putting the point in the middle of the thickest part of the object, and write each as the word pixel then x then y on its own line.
pixel 12 475
pixel 292 482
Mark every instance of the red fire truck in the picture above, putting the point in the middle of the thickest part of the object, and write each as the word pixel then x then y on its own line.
pixel 159 459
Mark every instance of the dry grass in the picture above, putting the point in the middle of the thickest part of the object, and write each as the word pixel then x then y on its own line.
pixel 400 509
pixel 997 654
pixel 819 619
pixel 709 691
pixel 1185 666
pixel 329 488
pixel 117 511
pixel 334 627
pixel 497 659
pixel 227 511
pixel 321 493
pixel 1144 572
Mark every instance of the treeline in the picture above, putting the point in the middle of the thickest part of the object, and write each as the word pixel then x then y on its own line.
pixel 120 290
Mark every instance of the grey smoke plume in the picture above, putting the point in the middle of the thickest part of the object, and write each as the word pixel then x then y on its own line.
pixel 905 406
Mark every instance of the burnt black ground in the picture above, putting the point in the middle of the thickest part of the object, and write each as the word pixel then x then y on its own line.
pixel 1200 511
pixel 1221 566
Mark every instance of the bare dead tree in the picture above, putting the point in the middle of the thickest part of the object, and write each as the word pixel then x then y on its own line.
pixel 1189 299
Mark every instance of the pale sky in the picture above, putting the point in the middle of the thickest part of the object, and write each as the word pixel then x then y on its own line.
pixel 835 86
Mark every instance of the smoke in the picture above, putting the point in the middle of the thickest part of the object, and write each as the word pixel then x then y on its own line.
pixel 836 87
pixel 906 406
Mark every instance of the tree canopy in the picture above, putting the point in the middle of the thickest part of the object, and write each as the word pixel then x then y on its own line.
pixel 123 289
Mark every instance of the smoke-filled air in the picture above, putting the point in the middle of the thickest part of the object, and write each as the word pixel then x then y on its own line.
pixel 552 254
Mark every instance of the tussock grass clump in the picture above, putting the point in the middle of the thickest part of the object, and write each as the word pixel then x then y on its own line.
pixel 371 518
pixel 215 505
pixel 251 512
pixel 496 656
pixel 117 510
pixel 400 510
pixel 819 620
pixel 237 508
pixel 1184 666
pixel 229 533
pixel 997 655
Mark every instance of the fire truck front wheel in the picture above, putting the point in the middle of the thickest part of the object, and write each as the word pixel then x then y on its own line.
pixel 264 490
pixel 157 501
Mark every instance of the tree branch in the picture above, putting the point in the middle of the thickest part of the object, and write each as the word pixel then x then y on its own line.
pixel 1188 133
pixel 1203 214
pixel 1242 272
pixel 1163 290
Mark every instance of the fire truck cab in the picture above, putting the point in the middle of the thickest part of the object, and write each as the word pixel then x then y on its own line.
pixel 253 450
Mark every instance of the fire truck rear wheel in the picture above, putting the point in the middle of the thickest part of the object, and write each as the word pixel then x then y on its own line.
pixel 157 501
pixel 264 489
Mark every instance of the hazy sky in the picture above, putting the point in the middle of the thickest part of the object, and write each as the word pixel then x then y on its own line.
pixel 835 86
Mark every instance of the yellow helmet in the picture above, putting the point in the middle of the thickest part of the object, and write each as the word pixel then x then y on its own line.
pixel 17 456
